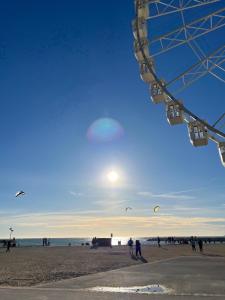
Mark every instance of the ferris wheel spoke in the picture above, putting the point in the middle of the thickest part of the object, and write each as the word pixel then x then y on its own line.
pixel 189 32
pixel 200 69
pixel 217 76
pixel 163 7
pixel 219 120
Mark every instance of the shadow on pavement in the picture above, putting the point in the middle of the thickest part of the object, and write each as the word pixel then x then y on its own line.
pixel 143 259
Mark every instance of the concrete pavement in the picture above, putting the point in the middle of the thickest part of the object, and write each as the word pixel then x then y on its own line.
pixel 186 277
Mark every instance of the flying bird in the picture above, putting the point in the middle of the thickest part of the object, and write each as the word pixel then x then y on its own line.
pixel 20 193
pixel 128 208
pixel 156 208
pixel 11 229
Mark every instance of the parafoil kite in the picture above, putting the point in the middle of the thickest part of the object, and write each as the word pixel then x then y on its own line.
pixel 128 208
pixel 20 193
pixel 156 208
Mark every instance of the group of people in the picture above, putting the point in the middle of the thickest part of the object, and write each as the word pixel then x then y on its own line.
pixel 137 247
pixel 193 245
pixel 45 242
pixel 9 244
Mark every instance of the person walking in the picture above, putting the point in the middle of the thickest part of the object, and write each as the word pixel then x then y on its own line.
pixel 193 245
pixel 8 246
pixel 138 248
pixel 158 240
pixel 130 244
pixel 200 244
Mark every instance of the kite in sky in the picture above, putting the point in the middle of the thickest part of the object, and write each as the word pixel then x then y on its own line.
pixel 20 193
pixel 128 208
pixel 156 208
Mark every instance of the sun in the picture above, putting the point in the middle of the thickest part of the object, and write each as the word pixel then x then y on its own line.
pixel 112 176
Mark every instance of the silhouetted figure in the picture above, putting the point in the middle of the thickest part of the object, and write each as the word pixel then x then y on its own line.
pixel 8 246
pixel 94 242
pixel 158 240
pixel 138 248
pixel 13 242
pixel 200 244
pixel 193 245
pixel 44 242
pixel 130 244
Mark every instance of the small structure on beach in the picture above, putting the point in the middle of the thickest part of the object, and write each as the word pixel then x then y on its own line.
pixel 102 242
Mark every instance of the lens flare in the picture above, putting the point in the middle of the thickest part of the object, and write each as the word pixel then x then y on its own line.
pixel 105 130
pixel 112 176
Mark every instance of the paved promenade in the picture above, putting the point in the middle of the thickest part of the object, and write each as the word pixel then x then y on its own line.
pixel 185 277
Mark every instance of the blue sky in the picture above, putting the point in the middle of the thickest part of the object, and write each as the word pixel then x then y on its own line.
pixel 67 64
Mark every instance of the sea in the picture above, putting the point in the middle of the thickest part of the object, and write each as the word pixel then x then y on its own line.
pixel 29 242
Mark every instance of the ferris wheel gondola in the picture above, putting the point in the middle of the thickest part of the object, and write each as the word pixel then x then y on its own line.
pixel 199 130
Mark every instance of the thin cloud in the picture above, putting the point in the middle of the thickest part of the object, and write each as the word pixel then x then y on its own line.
pixel 75 224
pixel 76 194
pixel 109 204
pixel 172 195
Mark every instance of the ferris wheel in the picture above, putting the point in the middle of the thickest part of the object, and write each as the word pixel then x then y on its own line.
pixel 196 29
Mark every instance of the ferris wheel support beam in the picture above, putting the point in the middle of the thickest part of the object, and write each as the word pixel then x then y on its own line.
pixel 220 119
pixel 189 32
pixel 200 69
pixel 163 7
pixel 213 130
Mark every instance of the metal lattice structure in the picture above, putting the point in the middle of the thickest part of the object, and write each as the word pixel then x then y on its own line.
pixel 200 131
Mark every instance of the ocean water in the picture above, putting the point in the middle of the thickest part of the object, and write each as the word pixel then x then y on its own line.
pixel 76 241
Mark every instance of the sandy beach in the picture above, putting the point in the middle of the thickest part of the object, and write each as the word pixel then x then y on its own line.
pixel 32 265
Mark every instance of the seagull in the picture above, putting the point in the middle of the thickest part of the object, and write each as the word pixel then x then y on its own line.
pixel 11 229
pixel 20 193
pixel 128 208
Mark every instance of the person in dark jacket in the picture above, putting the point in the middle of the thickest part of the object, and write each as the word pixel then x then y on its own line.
pixel 138 248
pixel 130 244
pixel 200 244
pixel 158 240
pixel 8 246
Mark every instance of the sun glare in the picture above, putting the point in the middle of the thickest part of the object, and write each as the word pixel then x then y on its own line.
pixel 112 176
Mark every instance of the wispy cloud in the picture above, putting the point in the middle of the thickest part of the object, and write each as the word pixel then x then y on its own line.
pixel 76 194
pixel 76 224
pixel 171 195
pixel 111 203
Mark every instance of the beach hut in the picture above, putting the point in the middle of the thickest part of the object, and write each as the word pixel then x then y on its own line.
pixel 104 242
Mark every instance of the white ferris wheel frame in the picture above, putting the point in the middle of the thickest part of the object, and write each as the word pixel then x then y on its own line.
pixel 185 34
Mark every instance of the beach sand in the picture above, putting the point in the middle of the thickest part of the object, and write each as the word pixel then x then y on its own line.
pixel 32 265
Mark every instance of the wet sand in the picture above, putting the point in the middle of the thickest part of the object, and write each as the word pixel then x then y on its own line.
pixel 32 265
